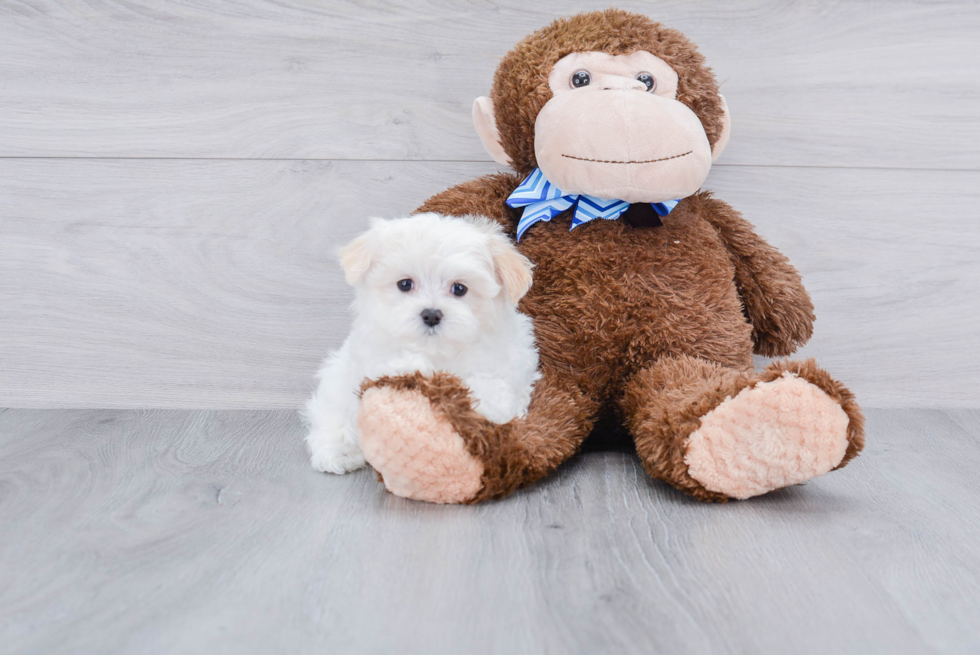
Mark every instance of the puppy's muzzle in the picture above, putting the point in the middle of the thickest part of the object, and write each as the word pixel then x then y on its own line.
pixel 431 317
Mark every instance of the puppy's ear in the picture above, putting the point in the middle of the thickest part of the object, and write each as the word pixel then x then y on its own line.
pixel 355 257
pixel 513 269
pixel 358 255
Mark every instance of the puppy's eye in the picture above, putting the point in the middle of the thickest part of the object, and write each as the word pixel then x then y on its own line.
pixel 649 81
pixel 459 289
pixel 405 285
pixel 580 79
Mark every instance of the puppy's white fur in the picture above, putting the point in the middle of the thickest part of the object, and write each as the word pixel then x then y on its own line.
pixel 481 337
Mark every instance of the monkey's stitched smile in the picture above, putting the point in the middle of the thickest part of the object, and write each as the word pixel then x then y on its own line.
pixel 613 161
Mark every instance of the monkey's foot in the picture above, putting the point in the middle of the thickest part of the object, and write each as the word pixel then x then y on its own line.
pixel 777 433
pixel 413 447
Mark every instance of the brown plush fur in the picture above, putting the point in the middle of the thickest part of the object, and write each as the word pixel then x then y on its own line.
pixel 654 327
pixel 761 275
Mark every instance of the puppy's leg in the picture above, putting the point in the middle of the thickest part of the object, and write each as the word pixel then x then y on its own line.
pixel 494 399
pixel 332 418
pixel 502 390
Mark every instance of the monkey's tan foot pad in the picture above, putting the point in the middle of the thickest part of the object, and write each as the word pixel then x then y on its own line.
pixel 769 436
pixel 417 452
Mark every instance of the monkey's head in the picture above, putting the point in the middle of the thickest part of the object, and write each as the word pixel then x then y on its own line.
pixel 608 104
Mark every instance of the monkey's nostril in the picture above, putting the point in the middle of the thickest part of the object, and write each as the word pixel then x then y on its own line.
pixel 431 317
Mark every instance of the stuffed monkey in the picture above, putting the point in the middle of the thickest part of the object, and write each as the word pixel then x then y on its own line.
pixel 649 296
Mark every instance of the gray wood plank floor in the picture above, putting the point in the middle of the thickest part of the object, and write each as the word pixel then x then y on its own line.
pixel 206 532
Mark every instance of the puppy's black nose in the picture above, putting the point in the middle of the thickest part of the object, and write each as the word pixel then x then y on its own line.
pixel 431 317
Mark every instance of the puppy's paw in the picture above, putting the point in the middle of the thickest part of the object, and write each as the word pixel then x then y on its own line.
pixel 337 457
pixel 493 399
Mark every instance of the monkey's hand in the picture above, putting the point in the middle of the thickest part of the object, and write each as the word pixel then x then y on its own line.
pixel 773 297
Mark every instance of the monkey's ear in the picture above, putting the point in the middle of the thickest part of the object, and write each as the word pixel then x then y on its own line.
pixel 726 131
pixel 486 128
pixel 356 257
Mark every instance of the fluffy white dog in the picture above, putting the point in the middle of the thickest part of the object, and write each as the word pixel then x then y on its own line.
pixel 432 293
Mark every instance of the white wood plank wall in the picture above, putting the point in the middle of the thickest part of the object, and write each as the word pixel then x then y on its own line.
pixel 174 177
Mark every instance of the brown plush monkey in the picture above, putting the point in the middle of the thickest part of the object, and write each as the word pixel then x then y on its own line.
pixel 645 309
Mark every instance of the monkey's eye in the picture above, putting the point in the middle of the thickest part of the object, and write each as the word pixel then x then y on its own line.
pixel 459 289
pixel 405 285
pixel 581 78
pixel 648 80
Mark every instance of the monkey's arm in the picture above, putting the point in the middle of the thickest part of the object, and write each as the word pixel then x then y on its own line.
pixel 773 297
pixel 484 196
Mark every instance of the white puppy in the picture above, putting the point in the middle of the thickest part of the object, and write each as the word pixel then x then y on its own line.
pixel 432 293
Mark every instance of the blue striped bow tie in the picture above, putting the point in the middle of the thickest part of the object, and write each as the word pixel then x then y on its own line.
pixel 542 201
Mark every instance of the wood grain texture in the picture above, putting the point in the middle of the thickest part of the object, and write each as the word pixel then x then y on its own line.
pixel 876 83
pixel 214 284
pixel 206 532
pixel 208 283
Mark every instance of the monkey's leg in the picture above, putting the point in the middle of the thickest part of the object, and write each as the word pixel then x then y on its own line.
pixel 719 433
pixel 425 440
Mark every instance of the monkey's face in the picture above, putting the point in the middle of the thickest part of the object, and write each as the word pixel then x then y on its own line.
pixel 631 114
pixel 614 129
